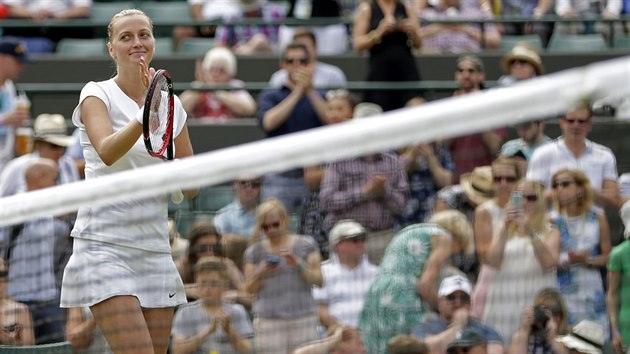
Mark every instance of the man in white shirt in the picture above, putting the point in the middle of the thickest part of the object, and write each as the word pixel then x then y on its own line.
pixel 347 276
pixel 573 150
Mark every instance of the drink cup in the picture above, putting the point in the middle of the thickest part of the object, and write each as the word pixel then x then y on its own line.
pixel 23 140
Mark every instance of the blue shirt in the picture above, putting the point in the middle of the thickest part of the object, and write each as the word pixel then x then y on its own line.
pixel 233 219
pixel 302 117
pixel 431 326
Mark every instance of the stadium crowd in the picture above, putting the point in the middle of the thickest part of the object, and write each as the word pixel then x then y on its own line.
pixel 469 245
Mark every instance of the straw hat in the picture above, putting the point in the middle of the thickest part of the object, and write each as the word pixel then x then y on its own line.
pixel 523 51
pixel 586 337
pixel 52 129
pixel 478 184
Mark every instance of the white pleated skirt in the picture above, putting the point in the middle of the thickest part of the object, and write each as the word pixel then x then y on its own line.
pixel 98 271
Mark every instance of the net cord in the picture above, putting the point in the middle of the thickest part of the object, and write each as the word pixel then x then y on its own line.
pixel 541 97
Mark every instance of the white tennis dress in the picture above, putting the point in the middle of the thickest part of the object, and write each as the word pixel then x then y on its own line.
pixel 123 248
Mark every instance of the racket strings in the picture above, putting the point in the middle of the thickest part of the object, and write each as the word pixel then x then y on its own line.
pixel 158 119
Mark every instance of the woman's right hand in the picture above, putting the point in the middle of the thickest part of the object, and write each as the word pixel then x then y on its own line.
pixel 386 26
pixel 146 73
pixel 527 319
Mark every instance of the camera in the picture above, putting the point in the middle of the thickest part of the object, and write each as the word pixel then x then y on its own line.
pixel 540 320
pixel 273 260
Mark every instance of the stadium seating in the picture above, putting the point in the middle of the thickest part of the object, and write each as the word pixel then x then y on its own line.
pixel 577 43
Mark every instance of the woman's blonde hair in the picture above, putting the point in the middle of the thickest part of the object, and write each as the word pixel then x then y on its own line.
pixel 456 223
pixel 125 13
pixel 538 218
pixel 585 199
pixel 265 208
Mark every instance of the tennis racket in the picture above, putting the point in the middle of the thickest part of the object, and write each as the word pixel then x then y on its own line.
pixel 157 120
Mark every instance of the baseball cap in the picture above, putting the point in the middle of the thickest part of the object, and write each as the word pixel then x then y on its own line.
pixel 52 129
pixel 344 229
pixel 466 338
pixel 14 47
pixel 453 283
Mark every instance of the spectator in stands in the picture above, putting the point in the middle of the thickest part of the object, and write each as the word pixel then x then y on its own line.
pixel 407 279
pixel 218 68
pixel 389 30
pixel 13 55
pixel 333 38
pixel 534 9
pixel 488 219
pixel 470 340
pixel 210 324
pixel 347 276
pixel 457 37
pixel 294 107
pixel 474 189
pixel 617 302
pixel 524 252
pixel 252 39
pixel 42 39
pixel 50 143
pixel 522 62
pixel 477 149
pixel 574 151
pixel 280 270
pixel 340 340
pixel 406 344
pixel 541 323
pixel 439 330
pixel 371 189
pixel 584 248
pixel 204 240
pixel 323 74
pixel 83 334
pixel 624 187
pixel 586 337
pixel 531 135
pixel 235 222
pixel 606 9
pixel 17 325
pixel 205 10
pixel 30 255
pixel 340 106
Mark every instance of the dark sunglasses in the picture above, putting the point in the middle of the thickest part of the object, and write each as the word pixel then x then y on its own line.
pixel 509 179
pixel 250 184
pixel 578 121
pixel 464 299
pixel 519 61
pixel 470 71
pixel 563 184
pixel 356 239
pixel 274 225
pixel 216 249
pixel 530 198
pixel 302 61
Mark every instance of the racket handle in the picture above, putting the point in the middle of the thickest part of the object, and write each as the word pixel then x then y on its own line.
pixel 177 197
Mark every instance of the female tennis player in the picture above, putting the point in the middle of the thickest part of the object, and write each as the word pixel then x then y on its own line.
pixel 121 266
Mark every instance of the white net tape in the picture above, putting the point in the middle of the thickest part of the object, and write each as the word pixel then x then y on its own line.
pixel 541 97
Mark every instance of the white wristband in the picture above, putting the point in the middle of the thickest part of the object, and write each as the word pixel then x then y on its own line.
pixel 140 115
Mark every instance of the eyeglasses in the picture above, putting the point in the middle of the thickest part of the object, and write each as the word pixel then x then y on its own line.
pixel 463 299
pixel 578 121
pixel 302 61
pixel 267 227
pixel 530 198
pixel 563 184
pixel 518 61
pixel 470 71
pixel 249 184
pixel 216 249
pixel 509 179
pixel 211 283
pixel 355 239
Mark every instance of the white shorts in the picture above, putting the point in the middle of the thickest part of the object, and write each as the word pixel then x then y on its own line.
pixel 98 271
